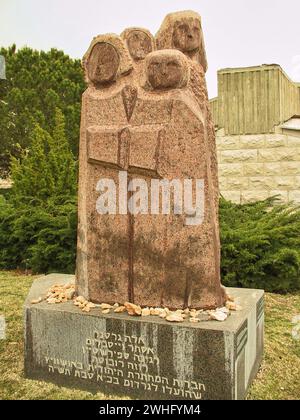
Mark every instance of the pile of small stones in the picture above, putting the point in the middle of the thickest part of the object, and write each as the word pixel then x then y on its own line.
pixel 60 294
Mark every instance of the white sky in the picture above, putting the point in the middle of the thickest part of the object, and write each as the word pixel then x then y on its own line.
pixel 237 32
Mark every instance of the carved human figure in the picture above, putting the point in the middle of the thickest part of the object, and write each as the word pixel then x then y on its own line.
pixel 102 260
pixel 140 42
pixel 183 31
pixel 120 132
pixel 166 71
pixel 187 256
pixel 103 64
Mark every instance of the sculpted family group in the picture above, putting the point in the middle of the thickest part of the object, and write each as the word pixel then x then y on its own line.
pixel 146 112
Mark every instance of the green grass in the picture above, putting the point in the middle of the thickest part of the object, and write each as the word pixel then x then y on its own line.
pixel 279 377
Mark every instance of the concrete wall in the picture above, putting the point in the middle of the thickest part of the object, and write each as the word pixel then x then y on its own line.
pixel 254 167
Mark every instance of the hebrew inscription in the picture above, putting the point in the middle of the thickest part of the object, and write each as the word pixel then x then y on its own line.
pixel 124 361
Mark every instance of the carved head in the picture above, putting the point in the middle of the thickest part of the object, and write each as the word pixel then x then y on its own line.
pixel 183 31
pixel 167 69
pixel 106 60
pixel 103 64
pixel 187 35
pixel 139 42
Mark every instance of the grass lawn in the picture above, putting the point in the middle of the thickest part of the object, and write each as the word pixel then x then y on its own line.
pixel 279 377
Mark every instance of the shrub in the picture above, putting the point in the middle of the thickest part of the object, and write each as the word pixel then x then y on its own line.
pixel 38 219
pixel 40 238
pixel 260 245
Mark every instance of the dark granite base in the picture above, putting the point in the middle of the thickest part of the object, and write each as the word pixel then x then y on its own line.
pixel 143 358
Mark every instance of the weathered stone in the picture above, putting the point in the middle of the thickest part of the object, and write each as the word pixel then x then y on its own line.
pixel 103 64
pixel 133 309
pixel 166 70
pixel 194 320
pixel 146 312
pixel 139 41
pixel 105 306
pixel 69 294
pixel 36 301
pixel 183 31
pixel 80 299
pixel 203 317
pixel 218 316
pixel 231 306
pixel 52 301
pixel 120 310
pixel 157 126
pixel 91 305
pixel 106 311
pixel 175 318
pixel 225 310
pixel 143 357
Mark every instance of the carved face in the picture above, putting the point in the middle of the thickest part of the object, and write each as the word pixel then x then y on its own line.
pixel 187 35
pixel 139 44
pixel 103 64
pixel 165 72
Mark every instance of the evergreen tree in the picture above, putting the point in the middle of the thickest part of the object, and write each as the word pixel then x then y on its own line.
pixel 38 220
pixel 61 160
pixel 37 83
pixel 33 180
pixel 48 170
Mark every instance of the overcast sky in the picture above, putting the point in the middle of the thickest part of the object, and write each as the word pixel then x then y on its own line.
pixel 237 32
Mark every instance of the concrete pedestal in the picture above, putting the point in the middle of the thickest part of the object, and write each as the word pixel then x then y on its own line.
pixel 143 358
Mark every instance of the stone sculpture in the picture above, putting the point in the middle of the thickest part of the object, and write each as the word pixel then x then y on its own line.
pixel 145 121
pixel 183 31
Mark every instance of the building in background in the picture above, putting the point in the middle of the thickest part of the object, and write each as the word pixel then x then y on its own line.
pixel 257 119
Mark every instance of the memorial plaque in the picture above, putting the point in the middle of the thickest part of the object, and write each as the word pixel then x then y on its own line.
pixel 145 358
